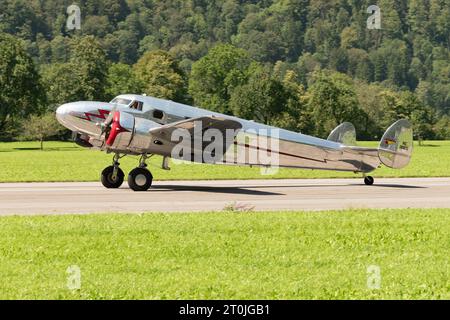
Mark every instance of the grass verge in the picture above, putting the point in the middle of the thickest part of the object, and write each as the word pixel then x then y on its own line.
pixel 23 162
pixel 224 255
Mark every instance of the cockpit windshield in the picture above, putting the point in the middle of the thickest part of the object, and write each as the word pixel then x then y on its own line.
pixel 121 101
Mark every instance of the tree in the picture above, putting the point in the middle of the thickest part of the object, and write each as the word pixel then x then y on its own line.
pixel 21 19
pixel 84 77
pixel 391 62
pixel 262 46
pixel 391 23
pixel 261 99
pixel 442 128
pixel 422 119
pixel 127 43
pixel 421 116
pixel 89 66
pixel 410 52
pixel 418 16
pixel 349 38
pixel 393 107
pixel 214 77
pixel 61 84
pixel 121 79
pixel 400 105
pixel 20 89
pixel 60 49
pixel 41 127
pixel 295 116
pixel 161 76
pixel 371 125
pixel 339 60
pixel 359 64
pixel 98 26
pixel 332 101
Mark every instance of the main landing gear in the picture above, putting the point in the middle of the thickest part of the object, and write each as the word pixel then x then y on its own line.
pixel 139 179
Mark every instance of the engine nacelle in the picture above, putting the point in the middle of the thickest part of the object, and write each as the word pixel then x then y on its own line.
pixel 127 133
pixel 121 130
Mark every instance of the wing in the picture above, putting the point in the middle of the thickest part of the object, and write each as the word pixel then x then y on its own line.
pixel 172 135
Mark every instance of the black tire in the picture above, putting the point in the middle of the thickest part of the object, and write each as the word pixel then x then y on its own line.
pixel 369 181
pixel 140 179
pixel 107 178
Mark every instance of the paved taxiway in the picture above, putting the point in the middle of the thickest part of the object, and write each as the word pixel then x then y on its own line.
pixel 171 196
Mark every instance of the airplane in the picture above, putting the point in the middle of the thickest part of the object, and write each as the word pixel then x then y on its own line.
pixel 145 126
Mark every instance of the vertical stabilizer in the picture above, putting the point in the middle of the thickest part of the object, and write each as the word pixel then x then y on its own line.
pixel 396 147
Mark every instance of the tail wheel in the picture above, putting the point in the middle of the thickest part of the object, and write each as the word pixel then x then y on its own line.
pixel 140 179
pixel 369 181
pixel 109 180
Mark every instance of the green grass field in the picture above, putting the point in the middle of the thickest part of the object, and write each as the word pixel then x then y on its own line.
pixel 21 162
pixel 227 255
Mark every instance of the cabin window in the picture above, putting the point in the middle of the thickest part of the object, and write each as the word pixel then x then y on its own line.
pixel 158 114
pixel 137 105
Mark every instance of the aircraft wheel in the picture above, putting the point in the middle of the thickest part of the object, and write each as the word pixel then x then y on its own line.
pixel 140 179
pixel 369 181
pixel 111 182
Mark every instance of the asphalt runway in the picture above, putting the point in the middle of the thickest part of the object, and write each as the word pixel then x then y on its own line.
pixel 179 196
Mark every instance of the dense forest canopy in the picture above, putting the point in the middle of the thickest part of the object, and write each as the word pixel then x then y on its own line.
pixel 305 65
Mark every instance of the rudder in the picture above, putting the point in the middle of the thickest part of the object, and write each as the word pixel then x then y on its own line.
pixel 396 146
pixel 344 133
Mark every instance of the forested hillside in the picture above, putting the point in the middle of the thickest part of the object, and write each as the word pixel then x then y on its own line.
pixel 305 65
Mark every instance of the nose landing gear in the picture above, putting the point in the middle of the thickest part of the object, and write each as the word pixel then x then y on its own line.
pixel 140 179
pixel 112 177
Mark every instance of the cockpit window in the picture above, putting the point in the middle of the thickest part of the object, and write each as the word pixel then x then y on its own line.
pixel 137 105
pixel 122 101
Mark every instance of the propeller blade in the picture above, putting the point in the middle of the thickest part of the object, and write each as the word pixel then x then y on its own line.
pixel 106 125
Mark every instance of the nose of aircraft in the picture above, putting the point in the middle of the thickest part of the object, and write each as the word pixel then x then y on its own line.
pixel 83 116
pixel 62 113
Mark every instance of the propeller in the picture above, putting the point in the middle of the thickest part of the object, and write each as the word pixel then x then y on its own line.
pixel 116 123
pixel 116 128
pixel 105 126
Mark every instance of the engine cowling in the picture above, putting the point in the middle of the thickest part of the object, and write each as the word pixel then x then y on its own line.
pixel 123 132
pixel 120 130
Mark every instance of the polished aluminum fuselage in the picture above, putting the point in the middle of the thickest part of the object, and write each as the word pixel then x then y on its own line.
pixel 294 150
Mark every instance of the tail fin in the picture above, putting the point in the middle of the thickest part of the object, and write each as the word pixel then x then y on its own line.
pixel 345 134
pixel 396 147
